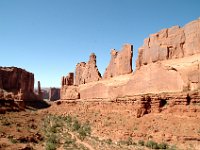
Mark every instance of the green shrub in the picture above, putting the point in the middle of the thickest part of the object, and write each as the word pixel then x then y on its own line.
pixel 53 138
pixel 69 142
pixel 108 141
pixel 84 130
pixel 127 142
pixel 141 142
pixel 152 144
pixel 68 120
pixel 163 146
pixel 76 125
pixel 12 140
pixel 50 146
pixel 52 141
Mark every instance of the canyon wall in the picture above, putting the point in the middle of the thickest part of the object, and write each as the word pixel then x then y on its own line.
pixel 168 62
pixel 171 43
pixel 16 84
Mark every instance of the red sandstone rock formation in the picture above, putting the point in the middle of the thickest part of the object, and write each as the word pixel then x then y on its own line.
pixel 121 62
pixel 54 94
pixel 16 84
pixel 68 90
pixel 166 64
pixel 68 80
pixel 87 72
pixel 40 94
pixel 171 43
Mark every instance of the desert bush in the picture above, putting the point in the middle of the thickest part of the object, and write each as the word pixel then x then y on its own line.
pixel 68 120
pixel 84 130
pixel 76 125
pixel 12 140
pixel 52 141
pixel 69 143
pixel 127 142
pixel 108 141
pixel 5 122
pixel 163 146
pixel 50 146
pixel 141 142
pixel 152 145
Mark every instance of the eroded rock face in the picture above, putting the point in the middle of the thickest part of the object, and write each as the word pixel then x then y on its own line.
pixel 121 62
pixel 54 94
pixel 16 83
pixel 166 64
pixel 174 42
pixel 69 93
pixel 68 89
pixel 68 80
pixel 87 72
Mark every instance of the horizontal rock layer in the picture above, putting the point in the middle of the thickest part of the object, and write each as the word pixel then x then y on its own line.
pixel 168 62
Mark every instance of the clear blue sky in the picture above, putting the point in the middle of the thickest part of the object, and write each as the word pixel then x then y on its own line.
pixel 49 37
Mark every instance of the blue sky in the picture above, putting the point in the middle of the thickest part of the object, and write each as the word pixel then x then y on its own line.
pixel 49 37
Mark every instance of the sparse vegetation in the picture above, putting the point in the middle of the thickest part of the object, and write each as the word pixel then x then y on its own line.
pixel 12 140
pixel 141 142
pixel 5 122
pixel 57 126
pixel 154 145
pixel 127 142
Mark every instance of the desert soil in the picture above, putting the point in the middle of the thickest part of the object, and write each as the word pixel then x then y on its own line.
pixel 111 124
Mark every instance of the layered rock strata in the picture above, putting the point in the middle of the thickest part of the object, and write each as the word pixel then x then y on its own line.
pixel 168 62
pixel 16 84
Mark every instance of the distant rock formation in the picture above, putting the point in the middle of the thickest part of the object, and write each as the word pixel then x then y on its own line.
pixel 168 62
pixel 68 80
pixel 40 94
pixel 121 62
pixel 16 84
pixel 87 72
pixel 174 42
pixel 54 94
pixel 68 89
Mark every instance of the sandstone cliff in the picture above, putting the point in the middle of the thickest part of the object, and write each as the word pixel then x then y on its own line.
pixel 16 84
pixel 87 72
pixel 174 42
pixel 121 62
pixel 168 62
